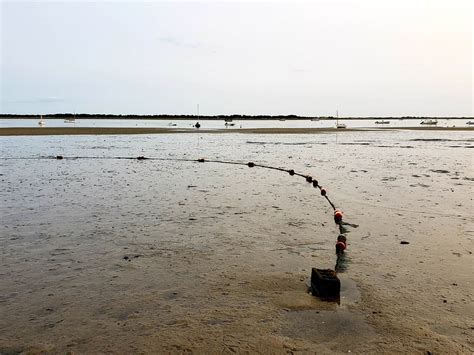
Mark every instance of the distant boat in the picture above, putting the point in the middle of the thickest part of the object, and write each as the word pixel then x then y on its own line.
pixel 41 122
pixel 382 122
pixel 171 124
pixel 470 122
pixel 70 119
pixel 281 119
pixel 231 124
pixel 315 119
pixel 197 124
pixel 339 125
pixel 429 122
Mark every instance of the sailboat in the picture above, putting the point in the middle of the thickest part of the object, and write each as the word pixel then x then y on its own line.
pixel 41 122
pixel 71 119
pixel 339 125
pixel 197 124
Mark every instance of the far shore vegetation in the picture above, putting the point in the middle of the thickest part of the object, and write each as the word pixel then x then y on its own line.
pixel 201 117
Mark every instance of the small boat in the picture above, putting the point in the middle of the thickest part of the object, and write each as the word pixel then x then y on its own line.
pixel 229 124
pixel 315 119
pixel 470 123
pixel 171 124
pixel 339 125
pixel 70 119
pixel 429 122
pixel 41 122
pixel 197 124
pixel 382 122
pixel 281 119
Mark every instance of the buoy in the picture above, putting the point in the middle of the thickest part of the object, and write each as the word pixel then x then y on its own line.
pixel 315 183
pixel 141 157
pixel 309 178
pixel 342 238
pixel 337 216
pixel 323 192
pixel 59 157
pixel 201 160
pixel 291 172
pixel 251 165
pixel 340 247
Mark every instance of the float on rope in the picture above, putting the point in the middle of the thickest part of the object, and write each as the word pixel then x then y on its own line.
pixel 323 282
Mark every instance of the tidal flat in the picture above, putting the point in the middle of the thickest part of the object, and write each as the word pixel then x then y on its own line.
pixel 145 256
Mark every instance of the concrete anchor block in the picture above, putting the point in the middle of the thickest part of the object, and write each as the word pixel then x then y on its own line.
pixel 325 284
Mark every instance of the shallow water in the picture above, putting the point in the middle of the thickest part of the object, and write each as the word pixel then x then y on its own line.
pixel 220 124
pixel 172 255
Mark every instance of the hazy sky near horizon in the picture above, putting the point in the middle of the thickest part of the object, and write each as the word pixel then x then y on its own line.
pixel 361 57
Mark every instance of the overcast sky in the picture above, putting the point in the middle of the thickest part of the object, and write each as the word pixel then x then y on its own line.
pixel 361 57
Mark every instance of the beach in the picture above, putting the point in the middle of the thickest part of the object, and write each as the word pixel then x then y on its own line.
pixel 167 256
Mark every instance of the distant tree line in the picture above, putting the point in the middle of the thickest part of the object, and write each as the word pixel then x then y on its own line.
pixel 201 117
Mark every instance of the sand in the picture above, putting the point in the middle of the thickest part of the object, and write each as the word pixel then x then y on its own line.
pixel 173 257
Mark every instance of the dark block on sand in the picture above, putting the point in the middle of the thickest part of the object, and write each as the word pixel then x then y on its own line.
pixel 325 284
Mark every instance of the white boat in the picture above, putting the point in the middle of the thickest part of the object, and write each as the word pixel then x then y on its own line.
pixel 41 122
pixel 382 122
pixel 429 122
pixel 70 119
pixel 171 124
pixel 228 122
pixel 470 123
pixel 339 125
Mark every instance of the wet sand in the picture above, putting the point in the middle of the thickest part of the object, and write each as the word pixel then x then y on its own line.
pixel 172 257
pixel 45 131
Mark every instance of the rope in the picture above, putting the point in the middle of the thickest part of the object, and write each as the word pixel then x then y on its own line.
pixel 341 239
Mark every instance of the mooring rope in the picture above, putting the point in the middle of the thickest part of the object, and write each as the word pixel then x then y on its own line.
pixel 341 239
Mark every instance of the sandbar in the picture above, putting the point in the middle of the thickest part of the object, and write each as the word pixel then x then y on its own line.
pixel 46 131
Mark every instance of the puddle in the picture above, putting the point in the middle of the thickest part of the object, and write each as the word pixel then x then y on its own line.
pixel 333 323
pixel 341 330
pixel 350 294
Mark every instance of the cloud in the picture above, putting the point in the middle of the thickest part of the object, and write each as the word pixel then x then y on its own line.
pixel 177 43
pixel 203 47
pixel 37 100
pixel 300 70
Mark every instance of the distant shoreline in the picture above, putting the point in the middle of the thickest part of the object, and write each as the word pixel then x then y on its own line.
pixel 46 131
pixel 61 116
